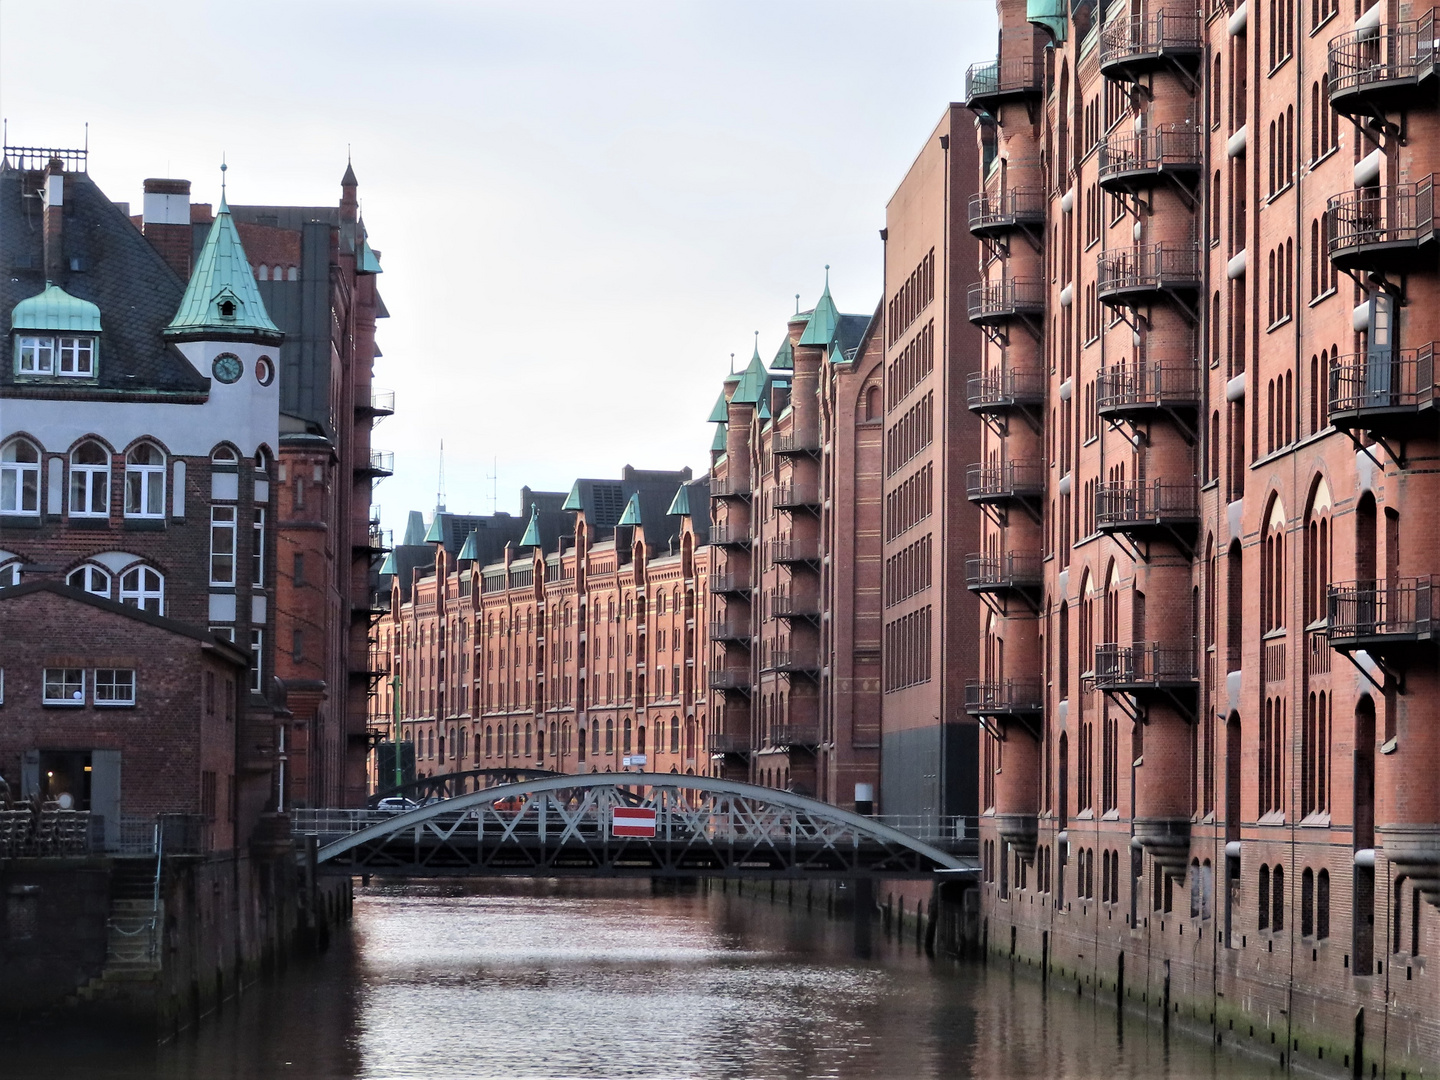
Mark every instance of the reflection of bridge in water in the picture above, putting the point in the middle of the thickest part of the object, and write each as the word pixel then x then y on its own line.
pixel 558 825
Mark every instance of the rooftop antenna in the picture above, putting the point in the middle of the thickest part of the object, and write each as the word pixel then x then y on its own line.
pixel 440 492
pixel 494 477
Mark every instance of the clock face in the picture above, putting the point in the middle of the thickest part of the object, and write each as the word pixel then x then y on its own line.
pixel 228 368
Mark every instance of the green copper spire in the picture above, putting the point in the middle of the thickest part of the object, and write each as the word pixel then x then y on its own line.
pixel 680 505
pixel 720 413
pixel 436 535
pixel 414 529
pixel 632 511
pixel 388 566
pixel 752 383
pixel 719 443
pixel 222 300
pixel 470 549
pixel 784 357
pixel 367 263
pixel 573 501
pixel 532 530
pixel 821 327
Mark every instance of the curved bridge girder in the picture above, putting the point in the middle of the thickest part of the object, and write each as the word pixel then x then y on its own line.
pixel 561 825
pixel 448 785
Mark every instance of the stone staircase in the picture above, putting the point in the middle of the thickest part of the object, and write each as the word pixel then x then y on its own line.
pixel 135 929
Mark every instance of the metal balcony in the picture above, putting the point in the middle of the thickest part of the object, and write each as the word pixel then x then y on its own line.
pixel 997 214
pixel 1141 509
pixel 1140 160
pixel 729 584
pixel 1385 618
pixel 726 535
pixel 1375 70
pixel 731 679
pixel 999 82
pixel 1008 482
pixel 792 443
pixel 1141 44
pixel 795 736
pixel 730 632
pixel 1010 573
pixel 995 303
pixel 728 744
pixel 998 392
pixel 795 661
pixel 1382 230
pixel 1147 670
pixel 1388 398
pixel 1009 699
pixel 791 552
pixel 1149 272
pixel 785 605
pixel 380 464
pixel 381 403
pixel 797 497
pixel 723 487
pixel 1136 391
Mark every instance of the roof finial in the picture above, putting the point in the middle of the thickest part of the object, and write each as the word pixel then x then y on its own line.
pixel 224 206
pixel 797 303
pixel 732 363
pixel 827 277
pixel 440 493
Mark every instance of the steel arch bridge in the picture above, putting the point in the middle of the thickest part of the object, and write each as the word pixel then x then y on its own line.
pixel 562 826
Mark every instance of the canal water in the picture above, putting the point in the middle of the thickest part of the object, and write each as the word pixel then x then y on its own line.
pixel 541 980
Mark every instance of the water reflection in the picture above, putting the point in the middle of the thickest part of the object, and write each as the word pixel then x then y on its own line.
pixel 538 980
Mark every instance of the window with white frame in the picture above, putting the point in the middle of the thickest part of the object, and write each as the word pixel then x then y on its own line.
pixel 257 674
pixel 89 480
pixel 114 686
pixel 10 574
pixel 257 553
pixel 144 588
pixel 69 356
pixel 35 356
pixel 222 545
pixel 225 633
pixel 145 481
pixel 64 686
pixel 76 357
pixel 93 579
pixel 19 478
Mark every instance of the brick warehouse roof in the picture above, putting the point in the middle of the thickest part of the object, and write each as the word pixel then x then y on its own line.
pixel 108 262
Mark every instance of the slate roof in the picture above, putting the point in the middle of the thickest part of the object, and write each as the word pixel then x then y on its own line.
pixel 109 263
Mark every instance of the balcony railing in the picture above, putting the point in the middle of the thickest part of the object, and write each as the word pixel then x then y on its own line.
pixel 1137 160
pixel 1371 65
pixel 1000 391
pixel 733 630
pixel 1383 396
pixel 1144 42
pixel 380 403
pixel 381 463
pixel 724 487
pixel 730 679
pixel 722 584
pixel 1145 665
pixel 796 496
pixel 1010 572
pixel 1380 229
pixel 791 442
pixel 1130 505
pixel 1128 273
pixel 995 302
pixel 728 744
pixel 783 736
pixel 1126 389
pixel 1008 697
pixel 786 605
pixel 802 661
pixel 996 81
pixel 1010 480
pixel 727 535
pixel 1377 614
pixel 996 213
pixel 794 551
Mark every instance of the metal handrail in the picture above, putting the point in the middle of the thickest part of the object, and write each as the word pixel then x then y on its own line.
pixel 1372 609
pixel 730 679
pixel 1166 146
pixel 1014 479
pixel 721 486
pixel 792 495
pixel 1405 381
pixel 783 602
pixel 795 660
pixel 729 631
pixel 1145 663
pixel 1401 214
pixel 794 735
pixel 1005 695
pixel 1013 568
pixel 724 583
pixel 1394 53
pixel 725 533
pixel 1156 266
pixel 794 550
pixel 1006 296
pixel 1005 387
pixel 1153 383
pixel 792 442
pixel 1150 34
pixel 1130 502
pixel 1011 75
pixel 728 744
pixel 382 462
pixel 994 208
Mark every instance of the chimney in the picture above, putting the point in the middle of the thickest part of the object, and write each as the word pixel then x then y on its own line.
pixel 53 195
pixel 166 222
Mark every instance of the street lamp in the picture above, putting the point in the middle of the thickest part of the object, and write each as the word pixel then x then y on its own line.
pixel 395 738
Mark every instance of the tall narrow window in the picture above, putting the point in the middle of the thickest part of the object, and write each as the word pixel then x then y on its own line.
pixel 222 545
pixel 89 480
pixel 257 552
pixel 145 481
pixel 144 588
pixel 19 478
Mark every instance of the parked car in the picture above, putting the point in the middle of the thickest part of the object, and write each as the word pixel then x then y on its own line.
pixel 396 804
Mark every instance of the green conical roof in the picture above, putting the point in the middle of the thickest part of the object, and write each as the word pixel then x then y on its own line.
pixel 436 535
pixel 632 511
pixel 469 550
pixel 718 443
pixel 752 382
pixel 821 327
pixel 573 501
pixel 764 411
pixel 222 283
pixel 55 309
pixel 784 357
pixel 532 530
pixel 680 505
pixel 414 529
pixel 719 414
pixel 388 566
pixel 367 263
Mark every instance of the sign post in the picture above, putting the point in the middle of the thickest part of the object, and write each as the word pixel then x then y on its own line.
pixel 632 821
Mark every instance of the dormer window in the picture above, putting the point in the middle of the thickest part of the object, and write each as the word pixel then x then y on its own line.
pixel 56 336
pixel 69 357
pixel 227 309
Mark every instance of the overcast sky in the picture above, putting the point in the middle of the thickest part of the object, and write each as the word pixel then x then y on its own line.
pixel 582 208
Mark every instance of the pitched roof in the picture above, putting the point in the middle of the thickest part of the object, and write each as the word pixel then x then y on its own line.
pixel 414 528
pixel 532 529
pixel 470 550
pixel 55 309
pixel 222 282
pixel 720 413
pixel 752 382
pixel 719 442
pixel 821 327
pixel 680 505
pixel 632 511
pixel 784 356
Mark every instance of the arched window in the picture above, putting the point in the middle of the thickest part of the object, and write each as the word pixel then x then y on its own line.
pixel 93 579
pixel 262 272
pixel 292 274
pixel 872 403
pixel 1307 902
pixel 19 478
pixel 489 741
pixel 89 480
pixel 674 734
pixel 224 455
pixel 144 588
pixel 145 481
pixel 625 746
pixel 1322 905
pixel 610 736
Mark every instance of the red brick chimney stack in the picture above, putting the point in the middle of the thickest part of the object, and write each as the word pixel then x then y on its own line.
pixel 53 195
pixel 166 222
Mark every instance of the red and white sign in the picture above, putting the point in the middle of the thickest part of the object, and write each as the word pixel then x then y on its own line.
pixel 632 821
